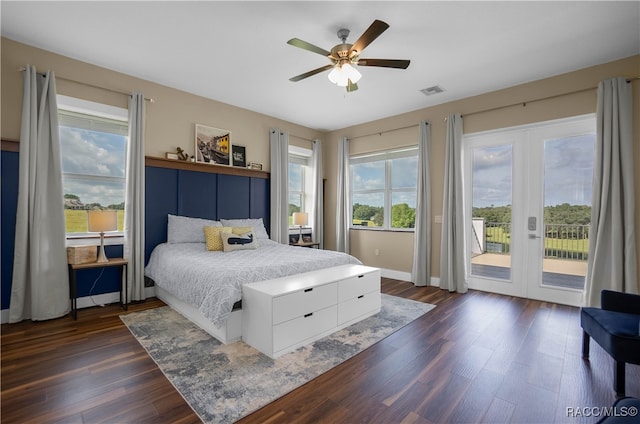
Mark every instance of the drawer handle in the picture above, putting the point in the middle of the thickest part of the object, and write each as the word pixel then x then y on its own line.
pixel 308 315
pixel 308 290
pixel 361 296
pixel 360 276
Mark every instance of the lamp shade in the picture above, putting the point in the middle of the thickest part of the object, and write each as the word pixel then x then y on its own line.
pixel 338 77
pixel 341 74
pixel 351 73
pixel 101 221
pixel 300 218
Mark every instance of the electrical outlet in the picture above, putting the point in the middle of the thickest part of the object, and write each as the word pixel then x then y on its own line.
pixel 377 252
pixel 437 219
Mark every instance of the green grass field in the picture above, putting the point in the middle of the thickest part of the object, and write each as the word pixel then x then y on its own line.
pixel 76 221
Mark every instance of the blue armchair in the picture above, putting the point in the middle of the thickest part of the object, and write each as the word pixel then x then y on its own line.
pixel 616 328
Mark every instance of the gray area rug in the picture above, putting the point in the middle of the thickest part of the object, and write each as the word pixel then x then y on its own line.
pixel 223 383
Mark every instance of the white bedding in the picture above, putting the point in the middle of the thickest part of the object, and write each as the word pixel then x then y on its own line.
pixel 212 281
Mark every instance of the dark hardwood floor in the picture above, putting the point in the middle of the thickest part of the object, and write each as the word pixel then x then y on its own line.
pixel 476 357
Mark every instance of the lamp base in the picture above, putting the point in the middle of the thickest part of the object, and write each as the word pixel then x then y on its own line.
pixel 102 257
pixel 300 241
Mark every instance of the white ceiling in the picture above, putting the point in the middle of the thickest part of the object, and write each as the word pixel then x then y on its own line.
pixel 236 52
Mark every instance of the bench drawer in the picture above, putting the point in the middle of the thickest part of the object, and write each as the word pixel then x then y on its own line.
pixel 368 303
pixel 296 304
pixel 297 330
pixel 355 286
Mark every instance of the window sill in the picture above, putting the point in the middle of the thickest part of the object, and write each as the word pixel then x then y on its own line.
pixel 389 230
pixel 94 240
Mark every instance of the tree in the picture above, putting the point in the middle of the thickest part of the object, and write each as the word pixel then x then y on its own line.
pixel 293 208
pixel 403 216
pixel 365 212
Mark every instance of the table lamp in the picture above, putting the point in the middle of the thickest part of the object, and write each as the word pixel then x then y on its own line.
pixel 300 219
pixel 100 221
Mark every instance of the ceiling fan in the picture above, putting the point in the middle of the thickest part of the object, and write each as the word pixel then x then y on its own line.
pixel 344 56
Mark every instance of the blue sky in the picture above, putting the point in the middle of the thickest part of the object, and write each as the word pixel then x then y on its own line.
pixel 568 173
pixel 371 176
pixel 97 154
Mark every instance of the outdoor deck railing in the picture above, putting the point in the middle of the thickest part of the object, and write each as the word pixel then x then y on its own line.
pixel 561 241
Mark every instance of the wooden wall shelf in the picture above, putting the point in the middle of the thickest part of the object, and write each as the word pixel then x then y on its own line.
pixel 10 145
pixel 14 146
pixel 203 167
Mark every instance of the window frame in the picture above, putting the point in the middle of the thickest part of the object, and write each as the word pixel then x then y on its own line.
pixel 301 156
pixel 74 108
pixel 387 156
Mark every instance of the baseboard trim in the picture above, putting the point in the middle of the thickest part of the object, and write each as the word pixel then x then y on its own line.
pixel 396 275
pixel 406 276
pixel 90 301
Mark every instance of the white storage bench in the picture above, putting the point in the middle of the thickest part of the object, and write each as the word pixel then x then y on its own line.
pixel 280 315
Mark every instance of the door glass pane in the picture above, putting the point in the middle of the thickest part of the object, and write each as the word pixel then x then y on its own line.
pixel 491 212
pixel 568 174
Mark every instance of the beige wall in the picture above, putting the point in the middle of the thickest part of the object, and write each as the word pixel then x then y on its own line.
pixel 170 119
pixel 569 95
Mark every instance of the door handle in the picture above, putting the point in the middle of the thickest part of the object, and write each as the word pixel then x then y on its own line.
pixel 533 236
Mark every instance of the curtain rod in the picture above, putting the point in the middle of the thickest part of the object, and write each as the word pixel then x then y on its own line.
pixel 150 100
pixel 524 103
pixel 382 132
pixel 301 138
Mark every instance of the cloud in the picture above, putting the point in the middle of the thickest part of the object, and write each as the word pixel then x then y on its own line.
pixel 89 155
pixel 92 153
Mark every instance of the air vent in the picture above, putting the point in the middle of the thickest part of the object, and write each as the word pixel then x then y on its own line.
pixel 432 90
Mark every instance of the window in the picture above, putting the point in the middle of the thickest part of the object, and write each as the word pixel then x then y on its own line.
pixel 299 180
pixel 93 142
pixel 381 182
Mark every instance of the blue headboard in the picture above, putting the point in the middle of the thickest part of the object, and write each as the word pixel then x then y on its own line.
pixel 200 191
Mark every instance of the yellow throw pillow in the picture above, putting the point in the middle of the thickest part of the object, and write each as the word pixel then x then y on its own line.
pixel 241 230
pixel 213 238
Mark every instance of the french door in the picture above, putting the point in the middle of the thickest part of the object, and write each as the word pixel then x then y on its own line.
pixel 528 209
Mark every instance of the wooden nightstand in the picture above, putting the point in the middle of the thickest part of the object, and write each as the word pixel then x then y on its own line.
pixel 73 281
pixel 306 244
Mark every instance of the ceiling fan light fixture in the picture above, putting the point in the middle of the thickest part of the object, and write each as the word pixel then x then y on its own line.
pixel 338 77
pixel 351 73
pixel 341 74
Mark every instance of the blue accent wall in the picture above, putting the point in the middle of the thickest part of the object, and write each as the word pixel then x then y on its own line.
pixel 168 191
pixel 200 195
pixel 8 202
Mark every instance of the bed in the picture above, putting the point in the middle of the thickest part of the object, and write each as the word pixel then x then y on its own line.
pixel 205 285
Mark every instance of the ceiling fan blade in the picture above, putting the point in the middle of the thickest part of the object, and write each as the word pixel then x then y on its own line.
pixel 373 32
pixel 310 73
pixel 351 86
pixel 308 46
pixel 384 63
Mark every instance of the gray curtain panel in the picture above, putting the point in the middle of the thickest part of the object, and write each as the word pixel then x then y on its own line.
pixel 342 202
pixel 612 250
pixel 40 285
pixel 421 270
pixel 317 207
pixel 452 248
pixel 279 185
pixel 134 199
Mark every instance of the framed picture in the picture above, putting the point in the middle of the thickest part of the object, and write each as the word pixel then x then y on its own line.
pixel 212 145
pixel 238 156
pixel 170 155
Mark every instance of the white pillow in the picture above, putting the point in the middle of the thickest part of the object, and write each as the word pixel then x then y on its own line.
pixel 183 229
pixel 257 224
